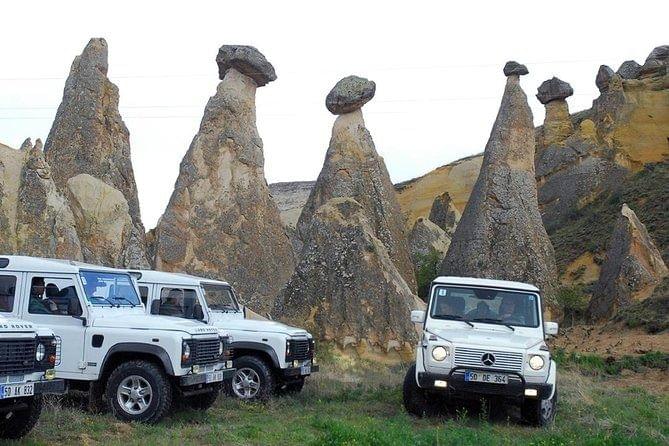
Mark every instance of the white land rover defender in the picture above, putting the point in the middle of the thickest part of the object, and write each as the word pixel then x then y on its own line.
pixel 110 347
pixel 268 356
pixel 483 339
pixel 27 357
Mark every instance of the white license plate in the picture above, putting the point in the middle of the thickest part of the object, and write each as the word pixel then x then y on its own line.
pixel 485 377
pixel 214 377
pixel 305 369
pixel 17 390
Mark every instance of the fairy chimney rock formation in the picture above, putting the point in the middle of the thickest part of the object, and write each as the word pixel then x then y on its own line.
pixel 629 70
pixel 345 287
pixel 354 169
pixel 603 78
pixel 514 68
pixel 221 221
pixel 444 213
pixel 632 269
pixel 500 234
pixel 88 136
pixel 427 239
pixel 656 63
pixel 45 225
pixel 557 123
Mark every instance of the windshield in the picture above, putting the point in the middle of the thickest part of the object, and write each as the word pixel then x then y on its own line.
pixel 485 305
pixel 220 297
pixel 105 288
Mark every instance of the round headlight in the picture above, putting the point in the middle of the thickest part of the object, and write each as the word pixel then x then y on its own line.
pixel 220 348
pixel 40 353
pixel 440 353
pixel 536 362
pixel 185 349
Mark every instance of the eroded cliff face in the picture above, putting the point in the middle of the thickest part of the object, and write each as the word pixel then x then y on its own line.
pixel 89 137
pixel 221 221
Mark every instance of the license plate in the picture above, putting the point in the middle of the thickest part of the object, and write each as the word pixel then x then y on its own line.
pixel 305 369
pixel 485 377
pixel 17 390
pixel 214 377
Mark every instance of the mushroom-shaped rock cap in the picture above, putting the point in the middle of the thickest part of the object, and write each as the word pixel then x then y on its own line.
pixel 660 53
pixel 350 94
pixel 512 67
pixel 604 75
pixel 247 60
pixel 629 70
pixel 553 89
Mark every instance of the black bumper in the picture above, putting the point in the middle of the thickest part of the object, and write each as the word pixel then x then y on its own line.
pixel 295 372
pixel 201 378
pixel 53 386
pixel 457 387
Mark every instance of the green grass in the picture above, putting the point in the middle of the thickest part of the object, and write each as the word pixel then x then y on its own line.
pixel 367 410
pixel 596 365
pixel 652 314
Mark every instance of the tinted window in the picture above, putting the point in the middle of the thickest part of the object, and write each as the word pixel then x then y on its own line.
pixel 7 291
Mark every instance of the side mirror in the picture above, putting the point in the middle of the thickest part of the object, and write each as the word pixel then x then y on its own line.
pixel 155 306
pixel 74 307
pixel 417 316
pixel 551 328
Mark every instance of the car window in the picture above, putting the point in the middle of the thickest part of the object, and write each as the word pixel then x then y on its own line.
pixel 109 288
pixel 144 293
pixel 178 302
pixel 54 296
pixel 7 293
pixel 220 297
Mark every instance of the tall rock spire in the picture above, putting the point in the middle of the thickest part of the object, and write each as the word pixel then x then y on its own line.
pixel 88 136
pixel 354 169
pixel 221 221
pixel 557 123
pixel 500 234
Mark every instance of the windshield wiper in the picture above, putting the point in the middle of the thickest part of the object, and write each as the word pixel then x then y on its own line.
pixel 453 317
pixel 112 304
pixel 125 299
pixel 493 321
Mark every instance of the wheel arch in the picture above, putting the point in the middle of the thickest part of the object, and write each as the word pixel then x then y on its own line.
pixel 264 351
pixel 128 351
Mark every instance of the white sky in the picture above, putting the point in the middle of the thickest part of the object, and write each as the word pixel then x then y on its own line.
pixel 437 66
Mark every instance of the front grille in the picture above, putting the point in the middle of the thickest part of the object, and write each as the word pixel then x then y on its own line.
pixel 205 351
pixel 472 357
pixel 300 349
pixel 17 356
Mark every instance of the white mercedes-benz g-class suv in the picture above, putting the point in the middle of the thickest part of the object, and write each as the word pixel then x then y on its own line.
pixel 27 356
pixel 268 356
pixel 483 339
pixel 109 347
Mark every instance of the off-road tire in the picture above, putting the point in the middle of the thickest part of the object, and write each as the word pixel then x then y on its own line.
pixel 203 401
pixel 161 400
pixel 265 375
pixel 416 401
pixel 18 423
pixel 532 413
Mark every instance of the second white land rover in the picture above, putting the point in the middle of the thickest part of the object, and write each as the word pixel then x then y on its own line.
pixel 483 339
pixel 136 364
pixel 268 356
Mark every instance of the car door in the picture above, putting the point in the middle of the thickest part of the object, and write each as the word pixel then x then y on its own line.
pixel 55 301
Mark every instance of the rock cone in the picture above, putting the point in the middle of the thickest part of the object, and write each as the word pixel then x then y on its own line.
pixel 221 221
pixel 345 287
pixel 353 168
pixel 444 214
pixel 500 234
pixel 88 136
pixel 632 269
pixel 429 244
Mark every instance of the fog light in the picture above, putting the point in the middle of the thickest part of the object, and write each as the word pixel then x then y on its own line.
pixel 440 383
pixel 228 364
pixel 196 369
pixel 530 392
pixel 50 374
pixel 296 364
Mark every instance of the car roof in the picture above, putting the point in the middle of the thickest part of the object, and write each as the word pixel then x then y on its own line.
pixel 46 265
pixel 490 283
pixel 152 276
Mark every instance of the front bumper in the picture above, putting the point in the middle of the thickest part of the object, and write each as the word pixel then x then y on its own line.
pixel 53 386
pixel 296 372
pixel 201 378
pixel 457 387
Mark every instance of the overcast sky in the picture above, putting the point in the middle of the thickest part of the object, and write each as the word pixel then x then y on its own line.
pixel 437 66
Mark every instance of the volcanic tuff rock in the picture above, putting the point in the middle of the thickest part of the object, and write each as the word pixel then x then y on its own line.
pixel 426 238
pixel 353 168
pixel 349 94
pixel 444 213
pixel 248 61
pixel 512 67
pixel 221 221
pixel 657 62
pixel 557 123
pixel 501 234
pixel 345 287
pixel 88 136
pixel 553 89
pixel 603 78
pixel 632 269
pixel 629 69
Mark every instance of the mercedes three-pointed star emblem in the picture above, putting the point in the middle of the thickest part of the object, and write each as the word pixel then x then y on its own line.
pixel 488 359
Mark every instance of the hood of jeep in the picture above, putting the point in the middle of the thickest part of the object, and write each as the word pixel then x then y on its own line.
pixel 257 326
pixel 12 325
pixel 144 322
pixel 477 338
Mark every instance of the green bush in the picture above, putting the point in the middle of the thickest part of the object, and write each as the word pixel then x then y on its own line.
pixel 427 268
pixel 573 300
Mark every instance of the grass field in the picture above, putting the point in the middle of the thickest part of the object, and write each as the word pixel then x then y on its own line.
pixel 362 405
